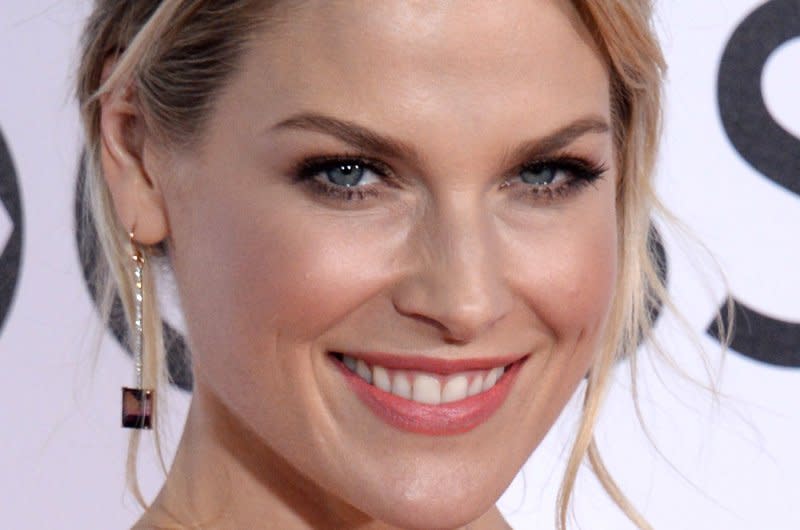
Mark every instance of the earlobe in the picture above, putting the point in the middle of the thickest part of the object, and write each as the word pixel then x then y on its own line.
pixel 136 195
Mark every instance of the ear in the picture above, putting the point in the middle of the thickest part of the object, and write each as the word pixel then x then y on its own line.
pixel 138 201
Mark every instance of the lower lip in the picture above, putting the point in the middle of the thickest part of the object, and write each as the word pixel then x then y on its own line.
pixel 437 420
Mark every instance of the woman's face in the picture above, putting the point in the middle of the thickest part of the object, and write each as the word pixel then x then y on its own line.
pixel 426 187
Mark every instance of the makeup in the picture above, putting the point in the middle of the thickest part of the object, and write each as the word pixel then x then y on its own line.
pixel 355 177
pixel 409 396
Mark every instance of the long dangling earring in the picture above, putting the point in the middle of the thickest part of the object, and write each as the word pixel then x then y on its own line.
pixel 137 403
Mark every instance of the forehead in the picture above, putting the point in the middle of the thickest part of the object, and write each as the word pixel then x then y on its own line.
pixel 418 63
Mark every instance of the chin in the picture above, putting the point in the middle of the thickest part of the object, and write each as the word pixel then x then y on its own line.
pixel 421 504
pixel 426 517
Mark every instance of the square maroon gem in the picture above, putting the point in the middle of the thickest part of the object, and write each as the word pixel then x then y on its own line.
pixel 137 408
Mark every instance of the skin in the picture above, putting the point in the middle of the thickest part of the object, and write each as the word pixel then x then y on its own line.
pixel 458 260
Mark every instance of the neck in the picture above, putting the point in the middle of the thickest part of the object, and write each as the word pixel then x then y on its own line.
pixel 225 476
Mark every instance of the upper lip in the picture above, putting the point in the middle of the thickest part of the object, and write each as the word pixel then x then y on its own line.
pixel 437 365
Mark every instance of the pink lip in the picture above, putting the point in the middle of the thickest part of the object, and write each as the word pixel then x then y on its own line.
pixel 437 420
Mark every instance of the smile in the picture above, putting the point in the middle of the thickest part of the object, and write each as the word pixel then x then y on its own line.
pixel 429 396
pixel 425 387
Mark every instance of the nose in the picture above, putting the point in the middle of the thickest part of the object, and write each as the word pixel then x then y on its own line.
pixel 456 281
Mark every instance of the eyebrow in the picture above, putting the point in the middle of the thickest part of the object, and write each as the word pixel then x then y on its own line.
pixel 351 133
pixel 554 142
pixel 368 140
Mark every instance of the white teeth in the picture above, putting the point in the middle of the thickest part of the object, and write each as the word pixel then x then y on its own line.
pixel 380 378
pixel 349 362
pixel 430 389
pixel 491 379
pixel 455 389
pixel 401 387
pixel 363 371
pixel 427 390
pixel 476 386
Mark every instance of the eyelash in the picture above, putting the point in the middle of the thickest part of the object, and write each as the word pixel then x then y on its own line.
pixel 581 172
pixel 308 169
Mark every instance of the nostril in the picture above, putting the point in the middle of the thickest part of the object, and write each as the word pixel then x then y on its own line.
pixel 457 326
pixel 455 341
pixel 430 321
pixel 459 305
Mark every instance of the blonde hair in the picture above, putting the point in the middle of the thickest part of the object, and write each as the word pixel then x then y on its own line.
pixel 176 55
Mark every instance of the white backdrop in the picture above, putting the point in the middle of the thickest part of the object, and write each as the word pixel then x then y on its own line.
pixel 730 170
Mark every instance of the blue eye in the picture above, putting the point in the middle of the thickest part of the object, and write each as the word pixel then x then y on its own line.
pixel 541 174
pixel 344 174
pixel 557 178
pixel 341 173
pixel 343 177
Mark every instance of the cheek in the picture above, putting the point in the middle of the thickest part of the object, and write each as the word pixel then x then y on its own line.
pixel 263 273
pixel 568 277
pixel 570 270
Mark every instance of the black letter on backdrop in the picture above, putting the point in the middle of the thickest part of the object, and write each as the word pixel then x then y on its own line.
pixel 767 147
pixel 659 256
pixel 178 359
pixel 11 256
